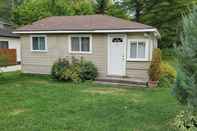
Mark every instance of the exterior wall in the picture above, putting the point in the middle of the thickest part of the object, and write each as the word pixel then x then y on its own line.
pixel 41 62
pixel 139 69
pixel 14 43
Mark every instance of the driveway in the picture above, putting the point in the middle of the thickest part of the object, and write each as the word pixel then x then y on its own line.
pixel 11 68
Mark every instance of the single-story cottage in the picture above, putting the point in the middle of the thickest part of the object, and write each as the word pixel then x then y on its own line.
pixel 119 48
pixel 8 40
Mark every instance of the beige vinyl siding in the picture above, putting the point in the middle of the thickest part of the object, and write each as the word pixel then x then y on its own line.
pixel 13 43
pixel 41 62
pixel 139 69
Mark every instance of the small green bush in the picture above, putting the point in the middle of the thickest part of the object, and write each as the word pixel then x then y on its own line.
pixel 154 70
pixel 59 67
pixel 168 75
pixel 186 121
pixel 88 71
pixel 65 75
pixel 168 70
pixel 72 73
pixel 76 71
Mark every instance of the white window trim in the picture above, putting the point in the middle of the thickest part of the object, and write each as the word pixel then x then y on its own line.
pixel 46 45
pixel 146 50
pixel 80 52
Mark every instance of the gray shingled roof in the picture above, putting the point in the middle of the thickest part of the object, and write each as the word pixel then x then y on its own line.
pixel 85 23
pixel 7 33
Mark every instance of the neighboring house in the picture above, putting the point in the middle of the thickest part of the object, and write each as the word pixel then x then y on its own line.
pixel 8 40
pixel 119 48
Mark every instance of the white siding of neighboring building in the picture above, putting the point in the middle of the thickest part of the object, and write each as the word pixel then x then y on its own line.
pixel 14 43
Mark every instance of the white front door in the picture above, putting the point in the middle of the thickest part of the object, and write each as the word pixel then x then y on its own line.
pixel 117 55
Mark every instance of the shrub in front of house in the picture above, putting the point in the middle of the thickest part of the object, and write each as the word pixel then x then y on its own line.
pixel 59 67
pixel 168 75
pixel 72 72
pixel 155 70
pixel 76 70
pixel 88 70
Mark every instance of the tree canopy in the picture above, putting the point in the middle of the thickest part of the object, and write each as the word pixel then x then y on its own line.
pixel 33 10
pixel 6 7
pixel 163 14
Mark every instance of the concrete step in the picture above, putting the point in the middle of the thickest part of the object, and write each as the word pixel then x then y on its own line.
pixel 121 81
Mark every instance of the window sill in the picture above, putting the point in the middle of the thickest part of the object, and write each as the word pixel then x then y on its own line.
pixel 41 51
pixel 138 60
pixel 76 52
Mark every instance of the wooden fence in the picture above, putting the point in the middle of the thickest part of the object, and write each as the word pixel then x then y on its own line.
pixel 10 54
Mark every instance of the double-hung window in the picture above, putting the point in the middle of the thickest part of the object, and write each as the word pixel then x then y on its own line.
pixel 39 43
pixel 80 44
pixel 4 45
pixel 137 50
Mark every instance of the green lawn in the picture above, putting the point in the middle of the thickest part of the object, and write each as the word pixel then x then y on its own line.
pixel 38 103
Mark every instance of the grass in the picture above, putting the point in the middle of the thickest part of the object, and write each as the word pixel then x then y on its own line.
pixel 38 103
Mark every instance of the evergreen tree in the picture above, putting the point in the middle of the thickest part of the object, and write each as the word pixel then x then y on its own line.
pixel 186 84
pixel 162 14
pixel 166 15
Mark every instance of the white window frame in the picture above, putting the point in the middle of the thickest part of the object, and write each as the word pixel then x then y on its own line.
pixel 46 45
pixel 146 50
pixel 80 52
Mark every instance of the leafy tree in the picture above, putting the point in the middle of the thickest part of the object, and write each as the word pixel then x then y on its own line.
pixel 4 10
pixel 134 7
pixel 6 7
pixel 117 11
pixel 186 83
pixel 30 11
pixel 83 7
pixel 102 6
pixel 33 10
pixel 59 7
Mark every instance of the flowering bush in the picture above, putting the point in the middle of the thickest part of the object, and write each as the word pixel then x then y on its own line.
pixel 168 75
